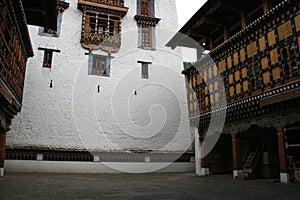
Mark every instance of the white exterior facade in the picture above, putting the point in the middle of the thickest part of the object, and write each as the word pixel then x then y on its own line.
pixel 129 113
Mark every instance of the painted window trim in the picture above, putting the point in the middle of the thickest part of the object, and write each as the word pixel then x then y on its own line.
pixel 50 52
pixel 147 68
pixel 153 47
pixel 152 8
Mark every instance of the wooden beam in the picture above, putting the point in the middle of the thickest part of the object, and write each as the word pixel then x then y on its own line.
pixel 214 22
pixel 243 20
pixel 232 7
pixel 226 34
pixel 99 5
pixel 266 5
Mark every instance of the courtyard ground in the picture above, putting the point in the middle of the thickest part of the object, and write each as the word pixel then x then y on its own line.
pixel 140 186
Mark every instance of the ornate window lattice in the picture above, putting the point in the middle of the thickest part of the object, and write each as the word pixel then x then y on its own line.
pixel 146 22
pixel 146 37
pixel 101 25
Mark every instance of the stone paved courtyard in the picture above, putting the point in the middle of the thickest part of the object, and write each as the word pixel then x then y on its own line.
pixel 140 186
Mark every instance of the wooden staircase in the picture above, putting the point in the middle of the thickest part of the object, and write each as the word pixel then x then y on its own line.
pixel 250 165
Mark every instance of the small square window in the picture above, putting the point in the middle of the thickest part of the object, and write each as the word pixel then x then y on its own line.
pixel 145 69
pixel 145 72
pixel 48 55
pixel 47 58
pixel 99 65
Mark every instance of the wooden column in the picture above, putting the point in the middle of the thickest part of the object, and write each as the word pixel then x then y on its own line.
pixel 243 20
pixel 2 151
pixel 266 6
pixel 225 34
pixel 284 177
pixel 211 44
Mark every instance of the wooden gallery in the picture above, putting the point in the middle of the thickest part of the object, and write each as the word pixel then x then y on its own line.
pixel 255 47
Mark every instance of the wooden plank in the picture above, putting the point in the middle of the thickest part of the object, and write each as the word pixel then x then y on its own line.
pixel 285 30
pixel 295 93
pixel 271 38
pixel 297 22
pixel 98 5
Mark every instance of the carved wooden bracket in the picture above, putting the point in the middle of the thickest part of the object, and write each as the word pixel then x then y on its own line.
pixel 146 21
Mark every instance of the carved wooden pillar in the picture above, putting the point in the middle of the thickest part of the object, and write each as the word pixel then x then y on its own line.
pixel 211 44
pixel 2 151
pixel 243 20
pixel 266 5
pixel 225 34
pixel 236 156
pixel 284 176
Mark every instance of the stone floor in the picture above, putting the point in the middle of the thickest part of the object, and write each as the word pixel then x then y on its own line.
pixel 140 186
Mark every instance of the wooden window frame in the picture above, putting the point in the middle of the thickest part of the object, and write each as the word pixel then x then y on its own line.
pixel 95 67
pixel 48 56
pixel 144 69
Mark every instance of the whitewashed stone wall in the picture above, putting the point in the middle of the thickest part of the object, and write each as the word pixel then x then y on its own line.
pixel 73 115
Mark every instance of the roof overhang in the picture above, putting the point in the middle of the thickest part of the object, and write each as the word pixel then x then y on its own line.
pixel 41 13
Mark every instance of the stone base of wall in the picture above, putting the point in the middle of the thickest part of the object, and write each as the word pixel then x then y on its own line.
pixel 31 166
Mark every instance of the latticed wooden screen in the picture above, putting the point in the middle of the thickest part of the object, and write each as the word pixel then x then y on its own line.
pixel 271 38
pixel 251 49
pixel 262 43
pixel 274 56
pixel 285 30
pixel 264 62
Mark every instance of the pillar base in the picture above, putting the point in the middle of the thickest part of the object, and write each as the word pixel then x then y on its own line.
pixel 236 173
pixel 1 172
pixel 284 177
pixel 203 172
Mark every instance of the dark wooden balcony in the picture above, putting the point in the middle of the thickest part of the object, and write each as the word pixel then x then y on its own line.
pixel 259 66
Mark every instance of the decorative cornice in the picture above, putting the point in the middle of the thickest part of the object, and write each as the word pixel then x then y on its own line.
pixel 106 43
pixel 146 21
pixel 97 6
pixel 62 6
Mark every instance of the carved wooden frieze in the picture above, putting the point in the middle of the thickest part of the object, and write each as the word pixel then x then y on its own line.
pixel 145 21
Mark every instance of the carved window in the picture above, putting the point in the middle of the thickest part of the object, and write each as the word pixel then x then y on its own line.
pixel 146 37
pixel 101 24
pixel 99 65
pixel 47 58
pixel 98 25
pixel 146 8
pixel 146 22
pixel 61 6
pixel 48 55
pixel 145 69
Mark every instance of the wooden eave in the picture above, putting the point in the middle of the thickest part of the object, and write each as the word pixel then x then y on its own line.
pixel 102 7
pixel 41 13
pixel 209 21
pixel 21 26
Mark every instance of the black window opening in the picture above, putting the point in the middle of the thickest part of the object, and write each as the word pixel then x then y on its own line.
pixel 48 56
pixel 47 59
